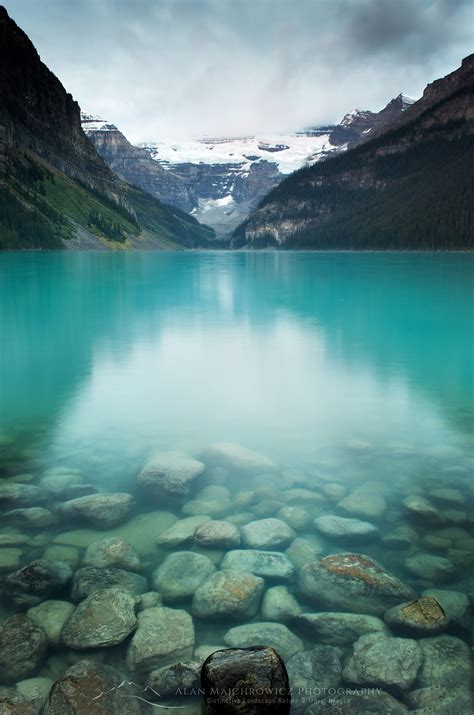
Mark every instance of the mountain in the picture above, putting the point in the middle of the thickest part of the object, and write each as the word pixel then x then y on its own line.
pixel 409 186
pixel 220 180
pixel 55 190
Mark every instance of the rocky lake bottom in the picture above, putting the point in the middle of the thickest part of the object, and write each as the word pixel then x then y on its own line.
pixel 363 586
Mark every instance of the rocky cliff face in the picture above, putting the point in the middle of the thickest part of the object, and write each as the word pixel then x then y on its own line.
pixel 360 125
pixel 55 189
pixel 409 186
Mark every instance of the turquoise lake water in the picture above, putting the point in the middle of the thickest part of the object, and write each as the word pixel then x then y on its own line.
pixel 354 369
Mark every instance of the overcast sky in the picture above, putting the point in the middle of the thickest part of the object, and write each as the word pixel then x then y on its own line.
pixel 174 68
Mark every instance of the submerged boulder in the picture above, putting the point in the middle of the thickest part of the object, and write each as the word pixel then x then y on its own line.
pixel 267 564
pixel 172 680
pixel 113 552
pixel 23 647
pixel 228 595
pixel 311 672
pixel 88 580
pixel 338 628
pixel 164 636
pixel 425 616
pixel 102 511
pixel 181 532
pixel 103 619
pixel 231 677
pixel 181 574
pixel 169 476
pixel 275 635
pixel 344 530
pixel 217 535
pixel 51 617
pixel 352 582
pixel 380 660
pixel 36 582
pixel 235 457
pixel 279 605
pixel 267 534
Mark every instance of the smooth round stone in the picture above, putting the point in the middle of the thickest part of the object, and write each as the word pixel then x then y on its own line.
pixel 89 579
pixel 150 599
pixel 176 679
pixel 279 604
pixel 51 617
pixel 360 701
pixel 102 620
pixel 267 534
pixel 319 665
pixel 181 532
pixel 303 496
pixel 423 617
pixel 169 476
pixel 80 686
pixel 364 504
pixel 36 582
pixel 267 564
pixel 58 485
pixel 435 543
pixel 35 517
pixel 13 539
pixel 343 530
pixel 102 511
pixel 447 497
pixel 338 629
pixel 379 660
pixel 164 636
pixel 295 516
pixel 421 510
pixel 207 505
pixel 23 647
pixel 228 595
pixel 235 457
pixel 112 552
pixel 239 673
pixel 205 650
pixel 36 689
pixel 435 569
pixel 214 491
pixel 455 604
pixel 447 666
pixel 267 507
pixel 181 574
pixel 10 559
pixel 241 518
pixel 302 551
pixel 244 499
pixel 352 582
pixel 400 539
pixel 217 535
pixel 274 635
pixel 334 490
pixel 21 494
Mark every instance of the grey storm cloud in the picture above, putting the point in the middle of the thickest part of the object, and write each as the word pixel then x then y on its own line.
pixel 171 68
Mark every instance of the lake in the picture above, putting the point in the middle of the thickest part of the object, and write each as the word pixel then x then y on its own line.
pixel 348 376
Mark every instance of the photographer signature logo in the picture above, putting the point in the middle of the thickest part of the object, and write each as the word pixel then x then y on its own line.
pixel 122 690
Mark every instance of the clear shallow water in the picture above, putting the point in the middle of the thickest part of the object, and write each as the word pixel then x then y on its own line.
pixel 356 368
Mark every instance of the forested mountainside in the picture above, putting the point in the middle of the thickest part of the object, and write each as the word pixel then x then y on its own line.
pixel 411 186
pixel 55 190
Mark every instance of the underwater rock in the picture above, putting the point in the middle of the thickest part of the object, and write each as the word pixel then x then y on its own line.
pixel 353 582
pixel 181 532
pixel 312 671
pixel 275 635
pixel 400 539
pixel 334 490
pixel 231 677
pixel 235 457
pixel 13 540
pixel 447 670
pixel 112 552
pixel 455 604
pixel 23 646
pixel 344 530
pixel 228 594
pixel 51 617
pixel 435 569
pixel 267 564
pixel 364 502
pixel 279 605
pixel 169 476
pixel 35 517
pixel 90 688
pixel 12 702
pixel 266 508
pixel 20 494
pixel 35 689
pixel 421 510
pixel 69 554
pixel 267 534
pixel 380 660
pixel 424 616
pixel 338 629
pixel 181 574
pixel 217 535
pixel 172 680
pixel 36 582
pixel 302 551
pixel 295 516
pixel 164 636
pixel 447 496
pixel 303 496
pixel 358 701
pixel 100 510
pixel 88 580
pixel 150 599
pixel 103 619
pixel 10 559
pixel 64 485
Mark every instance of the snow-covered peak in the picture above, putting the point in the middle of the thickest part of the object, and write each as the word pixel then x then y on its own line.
pixel 94 123
pixel 405 100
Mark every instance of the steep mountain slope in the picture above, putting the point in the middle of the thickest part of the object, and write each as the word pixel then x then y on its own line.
pixel 55 190
pixel 410 186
